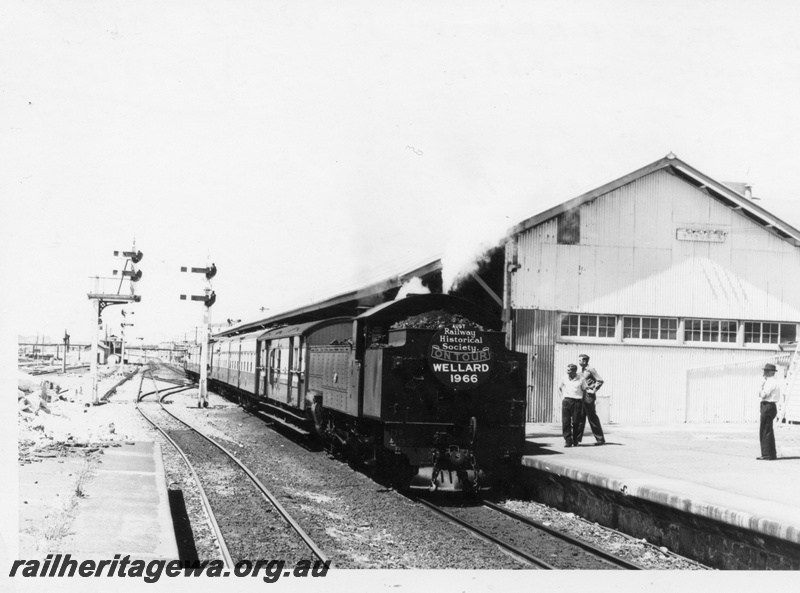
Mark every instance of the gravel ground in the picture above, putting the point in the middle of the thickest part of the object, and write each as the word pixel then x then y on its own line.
pixel 363 525
pixel 357 522
pixel 546 547
pixel 634 550
pixel 252 528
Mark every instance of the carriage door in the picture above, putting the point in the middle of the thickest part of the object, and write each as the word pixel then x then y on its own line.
pixel 296 374
pixel 226 373
pixel 258 372
pixel 273 369
pixel 266 368
pixel 284 376
pixel 239 355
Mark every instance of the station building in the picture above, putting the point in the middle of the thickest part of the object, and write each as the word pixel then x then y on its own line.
pixel 678 287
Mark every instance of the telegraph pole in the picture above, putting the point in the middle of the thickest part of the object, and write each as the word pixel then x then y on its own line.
pixel 66 349
pixel 209 297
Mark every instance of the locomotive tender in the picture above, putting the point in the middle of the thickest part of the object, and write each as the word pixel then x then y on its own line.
pixel 422 387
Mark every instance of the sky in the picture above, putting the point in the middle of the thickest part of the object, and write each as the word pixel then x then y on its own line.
pixel 308 147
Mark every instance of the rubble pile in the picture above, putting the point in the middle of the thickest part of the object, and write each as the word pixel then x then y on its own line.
pixel 53 417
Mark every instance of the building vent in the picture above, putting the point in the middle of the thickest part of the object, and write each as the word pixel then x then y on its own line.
pixel 569 227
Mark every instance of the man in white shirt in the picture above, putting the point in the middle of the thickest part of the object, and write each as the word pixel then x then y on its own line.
pixel 770 396
pixel 572 387
pixel 593 381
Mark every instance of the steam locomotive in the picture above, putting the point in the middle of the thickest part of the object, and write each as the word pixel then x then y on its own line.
pixel 422 388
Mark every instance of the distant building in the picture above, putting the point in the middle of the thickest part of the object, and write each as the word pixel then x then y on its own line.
pixel 679 287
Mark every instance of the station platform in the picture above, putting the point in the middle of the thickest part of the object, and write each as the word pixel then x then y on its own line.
pixel 118 505
pixel 697 489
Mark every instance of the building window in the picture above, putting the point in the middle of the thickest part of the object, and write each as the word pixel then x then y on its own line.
pixel 710 330
pixel 588 326
pixel 758 332
pixel 650 328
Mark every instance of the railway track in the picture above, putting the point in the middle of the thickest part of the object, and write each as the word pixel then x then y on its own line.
pixel 532 542
pixel 527 540
pixel 234 498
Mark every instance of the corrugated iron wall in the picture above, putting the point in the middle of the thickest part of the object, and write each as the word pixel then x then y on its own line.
pixel 536 333
pixel 793 403
pixel 648 384
pixel 728 392
pixel 629 260
pixel 792 395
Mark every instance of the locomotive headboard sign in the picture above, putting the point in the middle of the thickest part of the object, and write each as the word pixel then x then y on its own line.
pixel 460 357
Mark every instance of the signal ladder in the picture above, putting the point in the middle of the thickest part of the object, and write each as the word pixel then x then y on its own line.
pixel 791 397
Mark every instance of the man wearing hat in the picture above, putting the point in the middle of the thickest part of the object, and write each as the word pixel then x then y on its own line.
pixel 770 395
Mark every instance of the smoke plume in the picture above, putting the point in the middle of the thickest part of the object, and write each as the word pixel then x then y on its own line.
pixel 413 286
pixel 478 232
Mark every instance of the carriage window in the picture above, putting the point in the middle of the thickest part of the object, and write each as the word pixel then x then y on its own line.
pixel 297 361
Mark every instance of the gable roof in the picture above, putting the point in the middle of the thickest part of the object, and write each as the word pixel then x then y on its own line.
pixel 673 165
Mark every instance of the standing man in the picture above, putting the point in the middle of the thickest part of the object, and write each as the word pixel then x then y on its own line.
pixel 770 395
pixel 571 388
pixel 594 381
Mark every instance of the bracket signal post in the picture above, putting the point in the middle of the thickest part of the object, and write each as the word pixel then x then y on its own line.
pixel 99 302
pixel 102 298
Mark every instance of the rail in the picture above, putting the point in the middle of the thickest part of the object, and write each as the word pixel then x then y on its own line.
pixel 531 559
pixel 203 497
pixel 616 560
pixel 259 485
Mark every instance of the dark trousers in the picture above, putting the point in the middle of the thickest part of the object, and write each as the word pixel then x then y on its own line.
pixel 571 419
pixel 590 414
pixel 766 430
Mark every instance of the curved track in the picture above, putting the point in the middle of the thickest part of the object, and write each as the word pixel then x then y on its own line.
pixel 219 466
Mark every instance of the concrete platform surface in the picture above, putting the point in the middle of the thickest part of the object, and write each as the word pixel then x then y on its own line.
pixel 708 470
pixel 124 506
